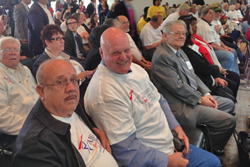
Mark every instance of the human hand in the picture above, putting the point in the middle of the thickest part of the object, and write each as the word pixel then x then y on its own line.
pixel 177 160
pixel 209 101
pixel 182 136
pixel 223 71
pixel 85 74
pixel 222 82
pixel 147 66
pixel 217 28
pixel 102 137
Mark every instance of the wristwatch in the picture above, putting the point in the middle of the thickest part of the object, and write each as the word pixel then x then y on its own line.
pixel 200 101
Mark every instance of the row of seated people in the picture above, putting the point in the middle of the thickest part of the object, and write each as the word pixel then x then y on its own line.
pixel 58 91
pixel 56 40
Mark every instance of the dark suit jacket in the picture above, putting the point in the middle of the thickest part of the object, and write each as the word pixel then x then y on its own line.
pixel 20 20
pixel 70 46
pixel 93 59
pixel 199 2
pixel 172 82
pixel 90 9
pixel 57 22
pixel 37 19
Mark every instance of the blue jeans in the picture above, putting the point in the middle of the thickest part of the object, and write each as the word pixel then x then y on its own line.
pixel 202 158
pixel 228 60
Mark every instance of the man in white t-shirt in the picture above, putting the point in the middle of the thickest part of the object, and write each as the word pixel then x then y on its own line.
pixel 137 120
pixel 137 56
pixel 237 9
pixel 151 36
pixel 57 131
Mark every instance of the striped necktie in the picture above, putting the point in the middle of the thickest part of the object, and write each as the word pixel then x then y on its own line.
pixel 190 76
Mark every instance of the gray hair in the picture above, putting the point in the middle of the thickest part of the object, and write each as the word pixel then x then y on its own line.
pixel 232 7
pixel 224 4
pixel 155 18
pixel 205 11
pixel 9 39
pixel 168 27
pixel 112 22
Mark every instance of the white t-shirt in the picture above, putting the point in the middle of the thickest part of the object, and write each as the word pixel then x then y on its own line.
pixel 172 17
pixel 123 104
pixel 87 143
pixel 217 22
pixel 80 30
pixel 207 32
pixel 232 15
pixel 149 35
pixel 239 13
pixel 134 50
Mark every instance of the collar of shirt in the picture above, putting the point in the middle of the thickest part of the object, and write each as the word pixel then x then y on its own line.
pixel 174 50
pixel 106 66
pixel 26 6
pixel 43 6
pixel 10 69
pixel 64 55
pixel 207 22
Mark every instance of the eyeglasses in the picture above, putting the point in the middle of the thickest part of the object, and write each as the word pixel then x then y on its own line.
pixel 7 50
pixel 63 84
pixel 178 33
pixel 72 23
pixel 57 38
pixel 211 12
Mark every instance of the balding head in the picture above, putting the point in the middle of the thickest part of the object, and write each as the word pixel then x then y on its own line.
pixel 116 54
pixel 58 87
pixel 124 23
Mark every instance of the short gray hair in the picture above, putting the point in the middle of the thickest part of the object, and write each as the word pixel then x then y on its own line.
pixel 168 27
pixel 205 11
pixel 155 18
pixel 112 22
pixel 9 39
pixel 232 7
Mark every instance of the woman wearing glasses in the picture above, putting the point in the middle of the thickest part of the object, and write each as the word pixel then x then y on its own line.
pixel 220 81
pixel 53 41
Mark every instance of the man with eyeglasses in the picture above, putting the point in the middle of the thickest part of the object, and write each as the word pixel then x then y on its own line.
pixel 151 36
pixel 57 132
pixel 187 95
pixel 73 41
pixel 17 91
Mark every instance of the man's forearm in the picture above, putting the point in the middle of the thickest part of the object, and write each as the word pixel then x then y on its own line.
pixel 154 45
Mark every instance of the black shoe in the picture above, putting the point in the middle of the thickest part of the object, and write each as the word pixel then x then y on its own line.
pixel 218 152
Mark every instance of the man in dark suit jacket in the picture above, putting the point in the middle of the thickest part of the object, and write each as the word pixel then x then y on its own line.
pixel 73 42
pixel 187 95
pixel 37 19
pixel 91 8
pixel 20 20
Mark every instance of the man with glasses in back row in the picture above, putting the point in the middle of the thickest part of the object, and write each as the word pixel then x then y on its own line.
pixel 17 91
pixel 73 41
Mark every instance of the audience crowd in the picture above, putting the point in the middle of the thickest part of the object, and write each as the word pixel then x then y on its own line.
pixel 88 86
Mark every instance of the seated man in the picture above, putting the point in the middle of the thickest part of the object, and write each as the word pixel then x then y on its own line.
pixel 73 41
pixel 135 117
pixel 226 55
pixel 17 90
pixel 137 56
pixel 57 132
pixel 151 36
pixel 58 21
pixel 187 95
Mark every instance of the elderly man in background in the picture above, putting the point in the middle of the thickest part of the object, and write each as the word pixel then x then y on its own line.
pixel 57 132
pixel 137 56
pixel 183 11
pixel 151 36
pixel 58 18
pixel 17 90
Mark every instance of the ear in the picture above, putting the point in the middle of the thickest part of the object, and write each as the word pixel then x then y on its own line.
pixel 101 52
pixel 40 91
pixel 47 42
pixel 164 37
